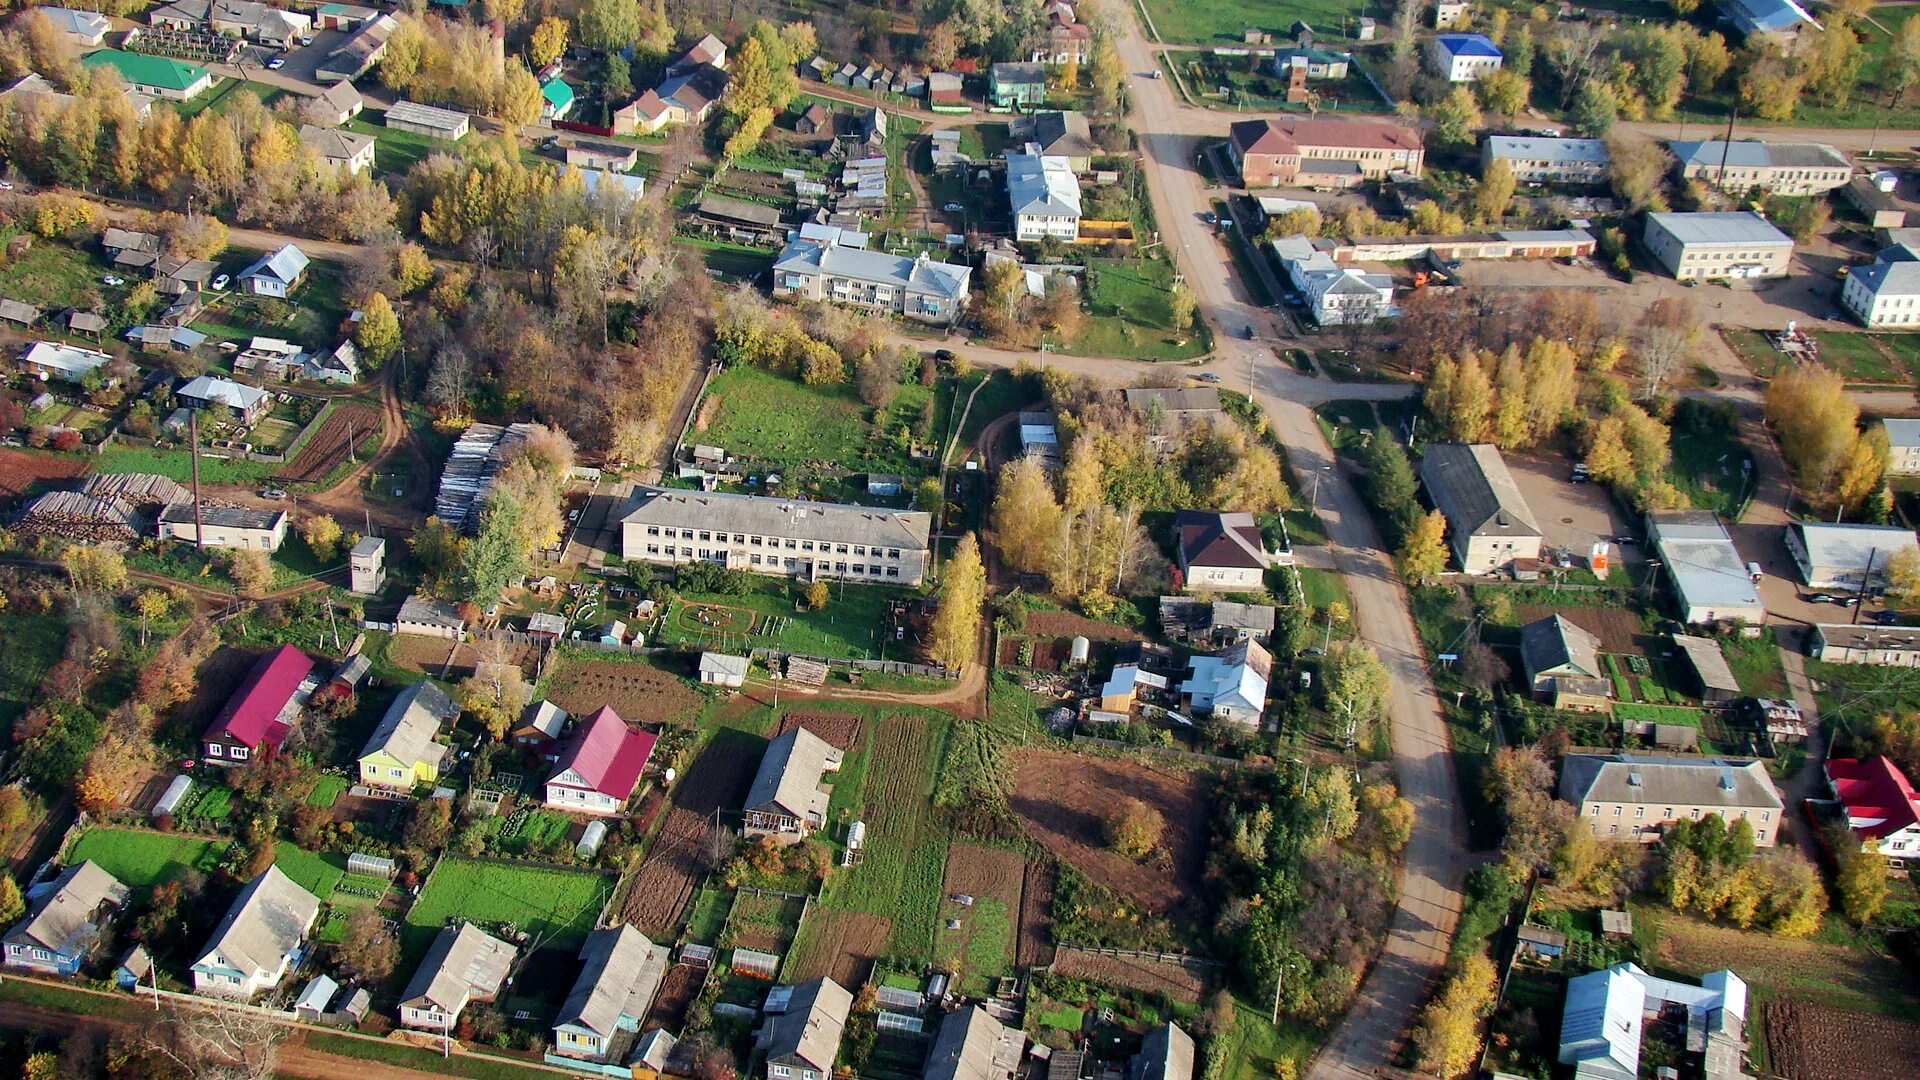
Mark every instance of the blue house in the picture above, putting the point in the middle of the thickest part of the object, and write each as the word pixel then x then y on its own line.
pixel 277 274
pixel 63 919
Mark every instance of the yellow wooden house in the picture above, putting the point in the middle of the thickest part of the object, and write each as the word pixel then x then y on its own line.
pixel 401 752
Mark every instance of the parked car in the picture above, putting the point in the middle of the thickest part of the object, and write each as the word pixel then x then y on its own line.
pixel 112 279
pixel 953 208
pixel 1624 539
pixel 943 355
pixel 1581 474
pixel 1885 618
pixel 272 493
pixel 1207 376
pixel 1829 598
pixel 220 281
pixel 276 63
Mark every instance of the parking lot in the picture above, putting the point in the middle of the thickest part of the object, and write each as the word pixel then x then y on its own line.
pixel 1781 589
pixel 1570 516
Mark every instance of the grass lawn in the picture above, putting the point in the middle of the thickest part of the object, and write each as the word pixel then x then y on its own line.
pixel 1755 351
pixel 1221 21
pixel 329 788
pixel 394 151
pixel 141 859
pixel 1129 300
pixel 316 873
pixel 557 905
pixel 781 423
pixel 1259 1045
pixel 53 275
pixel 34 643
pixel 733 260
pixel 1756 665
pixel 1851 693
pixel 1836 966
pixel 851 625
pixel 176 465
pixel 314 313
pixel 1323 588
pixel 1864 358
pixel 1709 461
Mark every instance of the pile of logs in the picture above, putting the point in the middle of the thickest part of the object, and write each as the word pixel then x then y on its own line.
pixel 78 516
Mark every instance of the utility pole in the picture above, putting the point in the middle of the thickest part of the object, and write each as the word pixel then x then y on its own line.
pixel 193 457
pixel 1726 147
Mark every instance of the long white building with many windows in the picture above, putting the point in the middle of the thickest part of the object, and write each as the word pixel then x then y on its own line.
pixel 792 537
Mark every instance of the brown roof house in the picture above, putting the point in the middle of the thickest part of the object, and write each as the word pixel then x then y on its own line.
pixel 786 801
pixel 1295 151
pixel 1563 665
pixel 1221 551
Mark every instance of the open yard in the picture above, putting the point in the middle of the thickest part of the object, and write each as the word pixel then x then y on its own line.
pixel 1813 1042
pixel 982 949
pixel 1130 301
pixel 141 858
pixel 1858 976
pixel 674 864
pixel 899 875
pixel 177 465
pixel 1185 982
pixel 1063 799
pixel 558 906
pixel 634 688
pixel 53 275
pixel 840 945
pixel 34 644
pixel 1221 23
pixel 773 422
pixel 853 624
pixel 345 428
pixel 394 151
pixel 1710 463
pixel 30 471
pixel 1861 358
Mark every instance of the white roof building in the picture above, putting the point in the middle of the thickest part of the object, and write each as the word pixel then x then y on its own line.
pixel 1045 195
pixel 1697 554
pixel 1845 556
pixel 1903 443
pixel 1885 292
pixel 1603 1021
pixel 1233 685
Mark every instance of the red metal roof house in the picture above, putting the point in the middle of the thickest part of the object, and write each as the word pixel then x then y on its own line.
pixel 600 765
pixel 261 712
pixel 1880 803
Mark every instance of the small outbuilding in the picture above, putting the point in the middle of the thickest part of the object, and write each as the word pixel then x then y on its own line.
pixel 1712 676
pixel 720 669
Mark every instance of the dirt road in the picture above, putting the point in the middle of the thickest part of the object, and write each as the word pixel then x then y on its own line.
pixel 1416 949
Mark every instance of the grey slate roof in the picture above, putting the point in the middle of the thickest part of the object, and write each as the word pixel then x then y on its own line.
pixel 1064 133
pixel 335 144
pixel 1042 184
pixel 1754 154
pixel 1165 1054
pixel 1670 781
pixel 224 517
pixel 1185 399
pixel 1539 148
pixel 973 1046
pixel 809 1031
pixel 265 923
pixel 835 523
pixel 60 915
pixel 1851 546
pixel 462 962
pixel 789 774
pixel 1708 662
pixel 1727 227
pixel 1553 642
pixel 285 265
pixel 406 731
pixel 1471 485
pixel 427 611
pixel 620 971
pixel 838 260
pixel 1894 273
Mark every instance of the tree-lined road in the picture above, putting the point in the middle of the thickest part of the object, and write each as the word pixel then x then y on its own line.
pixel 1375 1025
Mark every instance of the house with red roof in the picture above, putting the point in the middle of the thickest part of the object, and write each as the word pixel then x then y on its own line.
pixel 600 765
pixel 1881 805
pixel 262 710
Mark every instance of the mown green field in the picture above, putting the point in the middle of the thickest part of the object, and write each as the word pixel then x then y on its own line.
pixel 557 905
pixel 142 859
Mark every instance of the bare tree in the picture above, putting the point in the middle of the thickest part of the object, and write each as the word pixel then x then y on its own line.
pixel 216 1043
pixel 1667 336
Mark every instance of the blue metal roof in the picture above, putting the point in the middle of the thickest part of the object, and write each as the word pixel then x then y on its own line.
pixel 1469 45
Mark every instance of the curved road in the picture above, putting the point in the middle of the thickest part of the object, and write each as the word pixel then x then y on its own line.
pixel 1389 1000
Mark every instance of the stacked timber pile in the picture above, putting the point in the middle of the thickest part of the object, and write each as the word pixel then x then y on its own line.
pixel 471 468
pixel 77 516
pixel 805 671
pixel 139 489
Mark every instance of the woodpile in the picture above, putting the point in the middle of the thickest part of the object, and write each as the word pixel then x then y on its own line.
pixel 139 489
pixel 805 671
pixel 77 516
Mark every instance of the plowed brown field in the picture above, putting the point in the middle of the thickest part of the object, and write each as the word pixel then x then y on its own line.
pixel 1063 799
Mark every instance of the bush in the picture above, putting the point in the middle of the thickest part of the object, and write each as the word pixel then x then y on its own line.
pixel 1134 829
pixel 705 577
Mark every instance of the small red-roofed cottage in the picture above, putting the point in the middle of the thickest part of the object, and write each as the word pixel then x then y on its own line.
pixel 600 765
pixel 1881 805
pixel 261 712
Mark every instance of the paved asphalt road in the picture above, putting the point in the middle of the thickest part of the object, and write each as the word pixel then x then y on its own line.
pixel 1416 949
